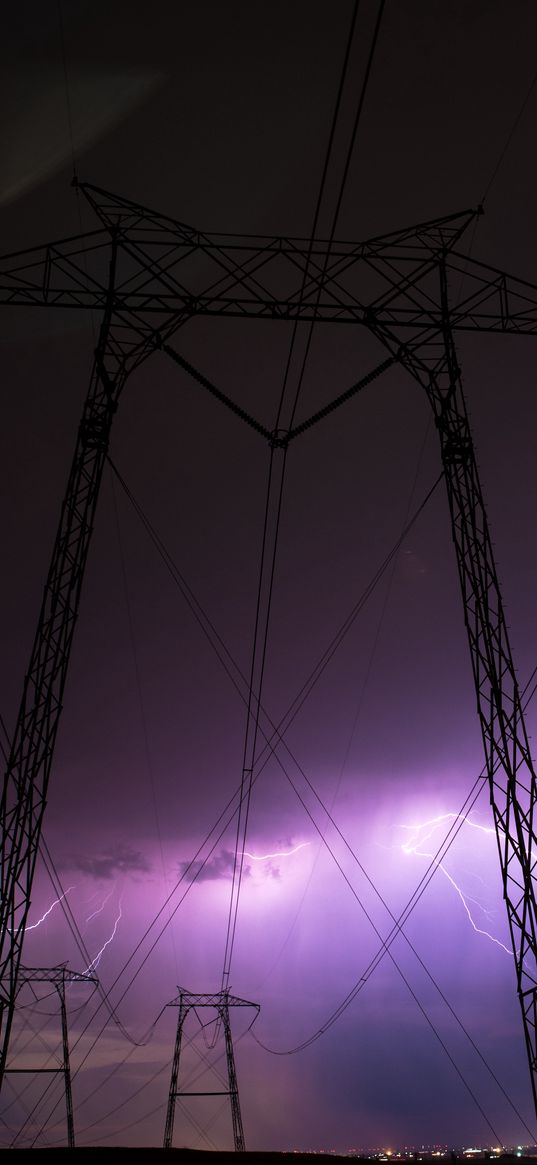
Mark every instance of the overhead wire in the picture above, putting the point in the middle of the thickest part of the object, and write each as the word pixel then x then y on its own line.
pixel 442 995
pixel 368 670
pixel 131 1125
pixel 301 798
pixel 432 869
pixel 153 947
pixel 65 906
pixel 61 894
pixel 494 174
pixel 102 1083
pixel 220 648
pixel 396 931
pixel 509 138
pixel 133 1095
pixel 249 760
pixel 242 828
pixel 3 749
pixel 257 673
pixel 506 146
pixel 445 844
pixel 33 1112
pixel 67 89
pixel 360 106
pixel 324 175
pixel 17 1098
pixel 386 949
pixel 141 704
pixel 343 183
pixel 194 866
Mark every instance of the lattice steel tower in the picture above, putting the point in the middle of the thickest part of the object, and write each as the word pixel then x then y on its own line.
pixel 57 977
pixel 149 275
pixel 220 1002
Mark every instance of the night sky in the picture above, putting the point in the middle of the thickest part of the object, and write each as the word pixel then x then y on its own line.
pixel 219 114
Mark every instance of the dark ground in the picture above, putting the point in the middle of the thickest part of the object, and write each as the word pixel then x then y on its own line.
pixel 180 1156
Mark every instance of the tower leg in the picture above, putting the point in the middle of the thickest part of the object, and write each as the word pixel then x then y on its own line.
pixel 24 793
pixel 66 1067
pixel 509 765
pixel 172 1096
pixel 219 1002
pixel 238 1132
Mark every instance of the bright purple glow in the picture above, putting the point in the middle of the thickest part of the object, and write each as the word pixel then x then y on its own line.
pixel 151 739
pixel 431 830
pixel 286 853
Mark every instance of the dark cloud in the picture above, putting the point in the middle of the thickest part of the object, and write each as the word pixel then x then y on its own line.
pixel 219 866
pixel 111 862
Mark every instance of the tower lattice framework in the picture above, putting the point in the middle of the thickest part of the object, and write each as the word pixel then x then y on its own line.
pixel 219 1002
pixel 148 275
pixel 57 977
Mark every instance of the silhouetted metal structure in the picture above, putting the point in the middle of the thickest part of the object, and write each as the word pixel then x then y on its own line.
pixel 58 977
pixel 220 1002
pixel 149 275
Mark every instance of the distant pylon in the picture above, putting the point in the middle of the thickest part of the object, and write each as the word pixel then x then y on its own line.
pixel 58 977
pixel 220 1001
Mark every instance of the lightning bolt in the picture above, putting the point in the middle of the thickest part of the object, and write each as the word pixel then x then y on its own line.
pixel 279 853
pixel 419 838
pixel 95 962
pixel 44 916
pixel 102 906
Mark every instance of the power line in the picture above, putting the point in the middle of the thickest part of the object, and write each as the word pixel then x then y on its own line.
pixel 67 90
pixel 141 703
pixel 403 917
pixel 324 174
pixel 214 638
pixel 510 137
pixel 257 672
pixel 343 182
pixel 378 933
pixel 425 1016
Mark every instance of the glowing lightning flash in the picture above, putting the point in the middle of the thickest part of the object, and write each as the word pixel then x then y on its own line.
pixel 422 834
pixel 279 854
pixel 102 906
pixel 44 916
pixel 95 962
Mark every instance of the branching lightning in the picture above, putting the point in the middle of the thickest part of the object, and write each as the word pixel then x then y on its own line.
pixel 421 834
pixel 95 962
pixel 50 909
pixel 102 906
pixel 278 854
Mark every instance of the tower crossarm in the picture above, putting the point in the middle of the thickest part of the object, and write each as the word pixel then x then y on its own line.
pixel 167 272
pixel 490 299
pixel 274 279
pixel 214 999
pixel 59 974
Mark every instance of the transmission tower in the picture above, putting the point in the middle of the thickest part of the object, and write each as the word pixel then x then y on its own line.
pixel 57 977
pixel 220 1003
pixel 149 275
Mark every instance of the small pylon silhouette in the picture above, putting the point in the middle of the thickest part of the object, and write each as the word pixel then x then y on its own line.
pixel 220 1002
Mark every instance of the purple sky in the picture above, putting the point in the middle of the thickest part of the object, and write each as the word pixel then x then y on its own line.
pixel 220 115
